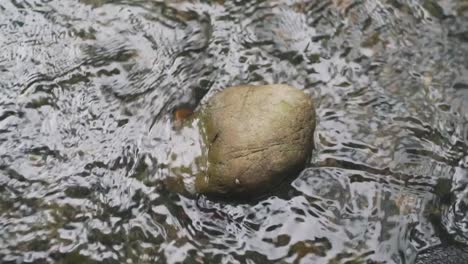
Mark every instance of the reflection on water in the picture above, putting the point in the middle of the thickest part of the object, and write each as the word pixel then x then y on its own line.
pixel 88 87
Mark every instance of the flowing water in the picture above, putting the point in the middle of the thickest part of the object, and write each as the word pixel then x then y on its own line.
pixel 87 93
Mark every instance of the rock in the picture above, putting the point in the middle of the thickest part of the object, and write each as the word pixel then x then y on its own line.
pixel 443 254
pixel 256 137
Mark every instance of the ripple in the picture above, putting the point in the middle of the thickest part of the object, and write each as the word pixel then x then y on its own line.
pixel 87 92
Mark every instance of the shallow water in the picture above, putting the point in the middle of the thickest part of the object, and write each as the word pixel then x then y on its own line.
pixel 88 88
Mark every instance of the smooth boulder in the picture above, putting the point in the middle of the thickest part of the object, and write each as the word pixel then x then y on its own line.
pixel 256 137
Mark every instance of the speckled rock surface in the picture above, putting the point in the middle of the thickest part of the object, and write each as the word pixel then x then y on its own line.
pixel 256 136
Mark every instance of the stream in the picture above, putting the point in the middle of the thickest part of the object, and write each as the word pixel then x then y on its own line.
pixel 88 89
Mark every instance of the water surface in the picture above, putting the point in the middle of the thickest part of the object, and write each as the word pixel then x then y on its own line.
pixel 87 92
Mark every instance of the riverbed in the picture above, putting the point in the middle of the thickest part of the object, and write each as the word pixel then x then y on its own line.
pixel 88 89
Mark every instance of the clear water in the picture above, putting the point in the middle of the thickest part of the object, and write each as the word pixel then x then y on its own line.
pixel 88 87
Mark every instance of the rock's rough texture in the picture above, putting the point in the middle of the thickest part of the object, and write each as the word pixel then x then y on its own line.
pixel 443 254
pixel 256 136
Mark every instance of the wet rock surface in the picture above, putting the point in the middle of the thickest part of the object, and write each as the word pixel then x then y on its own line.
pixel 443 254
pixel 256 137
